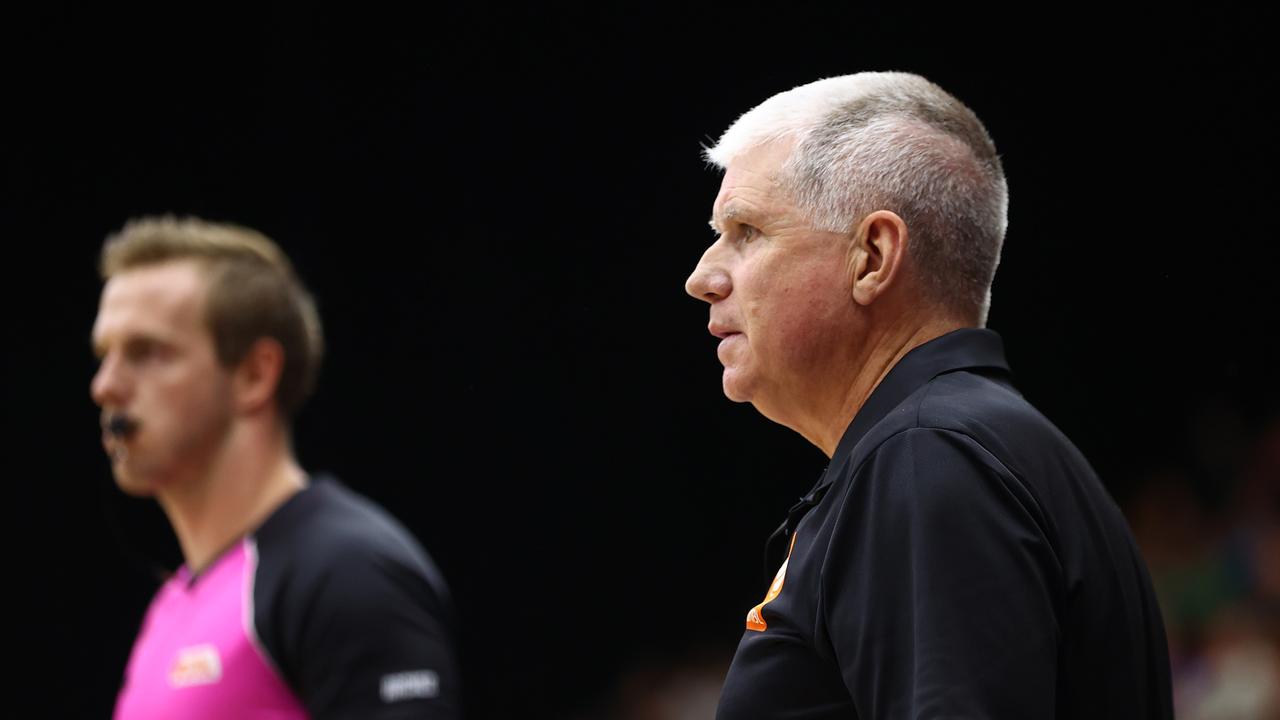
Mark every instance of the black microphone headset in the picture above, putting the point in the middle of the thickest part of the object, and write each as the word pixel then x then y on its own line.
pixel 120 425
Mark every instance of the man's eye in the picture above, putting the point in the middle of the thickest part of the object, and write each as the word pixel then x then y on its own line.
pixel 140 351
pixel 747 233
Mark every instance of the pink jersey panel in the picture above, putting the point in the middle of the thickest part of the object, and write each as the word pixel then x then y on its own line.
pixel 196 655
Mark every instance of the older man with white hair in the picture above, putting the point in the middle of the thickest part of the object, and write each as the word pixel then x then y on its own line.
pixel 958 557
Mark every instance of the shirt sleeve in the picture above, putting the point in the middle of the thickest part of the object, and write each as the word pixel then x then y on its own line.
pixel 939 590
pixel 374 643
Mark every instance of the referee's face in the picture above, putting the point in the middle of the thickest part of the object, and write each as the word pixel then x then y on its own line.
pixel 158 368
pixel 779 294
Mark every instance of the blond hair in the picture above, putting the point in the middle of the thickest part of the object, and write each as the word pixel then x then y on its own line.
pixel 253 292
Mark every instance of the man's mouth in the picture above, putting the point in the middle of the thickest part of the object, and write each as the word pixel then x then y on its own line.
pixel 119 425
pixel 724 349
pixel 721 331
pixel 117 428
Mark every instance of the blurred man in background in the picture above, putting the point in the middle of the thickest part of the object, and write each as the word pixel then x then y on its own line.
pixel 958 557
pixel 298 597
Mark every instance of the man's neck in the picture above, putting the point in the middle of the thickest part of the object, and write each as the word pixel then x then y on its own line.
pixel 247 479
pixel 884 350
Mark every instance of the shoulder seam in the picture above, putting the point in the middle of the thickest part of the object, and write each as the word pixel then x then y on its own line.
pixel 250 619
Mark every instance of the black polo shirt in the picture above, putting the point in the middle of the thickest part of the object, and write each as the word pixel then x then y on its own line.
pixel 958 559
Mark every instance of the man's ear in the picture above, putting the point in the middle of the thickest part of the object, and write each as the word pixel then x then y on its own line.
pixel 257 376
pixel 876 255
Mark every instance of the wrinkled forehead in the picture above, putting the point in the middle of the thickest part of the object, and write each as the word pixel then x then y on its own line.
pixel 754 183
pixel 168 297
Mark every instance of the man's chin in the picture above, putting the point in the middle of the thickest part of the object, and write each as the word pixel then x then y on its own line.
pixel 132 485
pixel 735 387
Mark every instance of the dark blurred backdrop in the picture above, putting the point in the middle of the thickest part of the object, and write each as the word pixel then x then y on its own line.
pixel 497 209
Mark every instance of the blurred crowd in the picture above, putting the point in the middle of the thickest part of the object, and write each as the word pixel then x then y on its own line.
pixel 1212 542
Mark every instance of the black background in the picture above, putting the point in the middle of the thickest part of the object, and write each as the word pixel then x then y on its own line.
pixel 497 209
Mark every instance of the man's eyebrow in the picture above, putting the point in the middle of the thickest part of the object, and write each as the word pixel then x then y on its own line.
pixel 730 213
pixel 97 344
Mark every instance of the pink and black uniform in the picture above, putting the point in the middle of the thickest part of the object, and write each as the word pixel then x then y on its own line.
pixel 330 609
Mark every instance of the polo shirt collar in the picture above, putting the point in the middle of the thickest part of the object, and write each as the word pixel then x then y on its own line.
pixel 964 349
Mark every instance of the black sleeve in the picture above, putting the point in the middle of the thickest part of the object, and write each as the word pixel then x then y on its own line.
pixel 940 589
pixel 373 642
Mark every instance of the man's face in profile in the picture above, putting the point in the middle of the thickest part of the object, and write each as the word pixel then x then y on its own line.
pixel 778 289
pixel 158 368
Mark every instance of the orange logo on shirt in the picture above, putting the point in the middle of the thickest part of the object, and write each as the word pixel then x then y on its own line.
pixel 755 618
pixel 198 665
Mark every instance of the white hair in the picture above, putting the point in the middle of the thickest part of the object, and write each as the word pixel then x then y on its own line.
pixel 891 141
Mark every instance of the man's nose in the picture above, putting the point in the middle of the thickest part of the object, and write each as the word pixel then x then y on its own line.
pixel 109 384
pixel 710 280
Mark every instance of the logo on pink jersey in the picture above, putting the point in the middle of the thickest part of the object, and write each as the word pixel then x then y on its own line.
pixel 196 665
